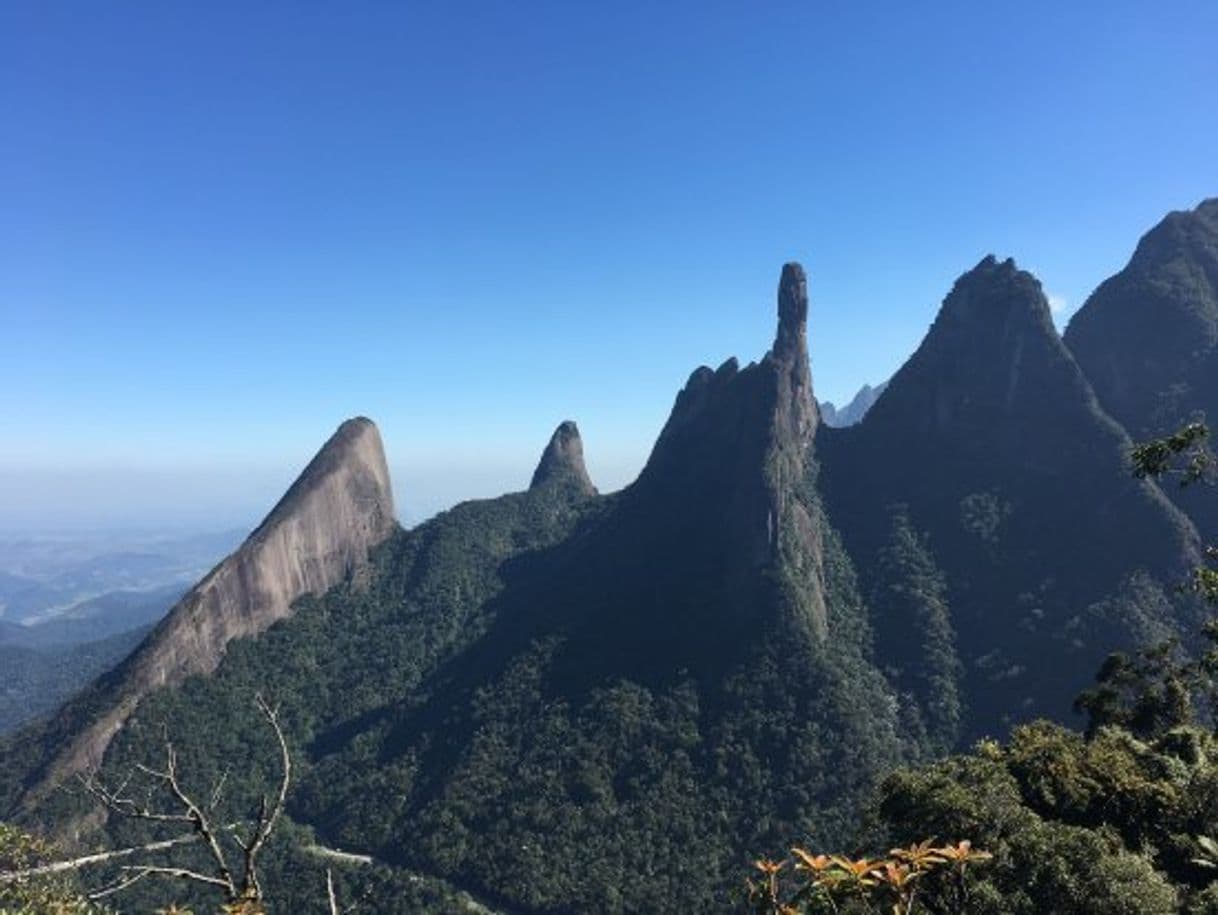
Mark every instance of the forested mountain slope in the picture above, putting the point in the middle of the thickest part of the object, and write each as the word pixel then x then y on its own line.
pixel 668 679
pixel 990 456
pixel 1147 338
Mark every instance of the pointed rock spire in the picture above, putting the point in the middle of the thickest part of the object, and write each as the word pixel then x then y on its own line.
pixel 563 461
pixel 791 341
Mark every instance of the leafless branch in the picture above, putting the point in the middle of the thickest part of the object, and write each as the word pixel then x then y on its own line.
pixel 268 815
pixel 330 897
pixel 116 887
pixel 72 864
pixel 144 870
pixel 185 809
pixel 119 803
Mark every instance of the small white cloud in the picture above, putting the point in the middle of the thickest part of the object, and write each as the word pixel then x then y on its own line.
pixel 1057 303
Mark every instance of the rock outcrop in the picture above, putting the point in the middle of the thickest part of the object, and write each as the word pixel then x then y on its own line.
pixel 562 463
pixel 318 535
pixel 727 475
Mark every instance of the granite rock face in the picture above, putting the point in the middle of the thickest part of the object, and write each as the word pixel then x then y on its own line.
pixel 318 535
pixel 562 463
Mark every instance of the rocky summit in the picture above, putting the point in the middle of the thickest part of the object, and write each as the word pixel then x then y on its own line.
pixel 562 463
pixel 1148 339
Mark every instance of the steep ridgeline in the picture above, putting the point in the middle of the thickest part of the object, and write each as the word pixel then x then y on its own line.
pixel 565 702
pixel 1147 338
pixel 317 536
pixel 989 469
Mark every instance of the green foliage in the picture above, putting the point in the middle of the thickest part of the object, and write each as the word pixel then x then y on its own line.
pixel 1110 824
pixel 1148 693
pixel 521 708
pixel 915 642
pixel 37 680
pixel 1160 457
pixel 39 895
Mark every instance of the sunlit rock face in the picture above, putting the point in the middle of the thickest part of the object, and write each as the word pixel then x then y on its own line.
pixel 318 535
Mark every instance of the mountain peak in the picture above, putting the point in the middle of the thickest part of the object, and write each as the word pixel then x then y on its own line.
pixel 317 536
pixel 563 461
pixel 355 444
pixel 998 292
pixel 1182 235
pixel 791 340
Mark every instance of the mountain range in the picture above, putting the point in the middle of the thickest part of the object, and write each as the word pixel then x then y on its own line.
pixel 854 411
pixel 560 700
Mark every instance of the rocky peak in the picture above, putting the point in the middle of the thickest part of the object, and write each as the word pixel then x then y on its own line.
pixel 731 462
pixel 998 295
pixel 563 461
pixel 791 341
pixel 317 536
pixel 1148 336
pixel 1187 234
pixel 992 346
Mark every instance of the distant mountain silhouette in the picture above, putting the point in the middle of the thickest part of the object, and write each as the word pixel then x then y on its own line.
pixel 855 410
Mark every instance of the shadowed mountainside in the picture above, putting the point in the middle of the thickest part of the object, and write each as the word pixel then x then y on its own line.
pixel 991 445
pixel 1148 338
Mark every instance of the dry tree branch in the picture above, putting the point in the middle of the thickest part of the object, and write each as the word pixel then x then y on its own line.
pixel 268 817
pixel 330 897
pixel 185 809
pixel 59 867
pixel 116 802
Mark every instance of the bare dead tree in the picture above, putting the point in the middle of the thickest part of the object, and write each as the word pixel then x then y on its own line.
pixel 240 885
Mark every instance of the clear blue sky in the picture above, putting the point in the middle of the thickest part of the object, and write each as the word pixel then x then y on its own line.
pixel 224 227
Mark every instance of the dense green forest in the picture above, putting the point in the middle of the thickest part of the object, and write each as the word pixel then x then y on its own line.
pixel 37 679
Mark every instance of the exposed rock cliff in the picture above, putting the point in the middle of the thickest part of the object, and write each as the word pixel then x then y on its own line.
pixel 318 535
pixel 562 462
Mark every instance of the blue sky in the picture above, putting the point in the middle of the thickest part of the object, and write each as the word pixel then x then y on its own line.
pixel 224 227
